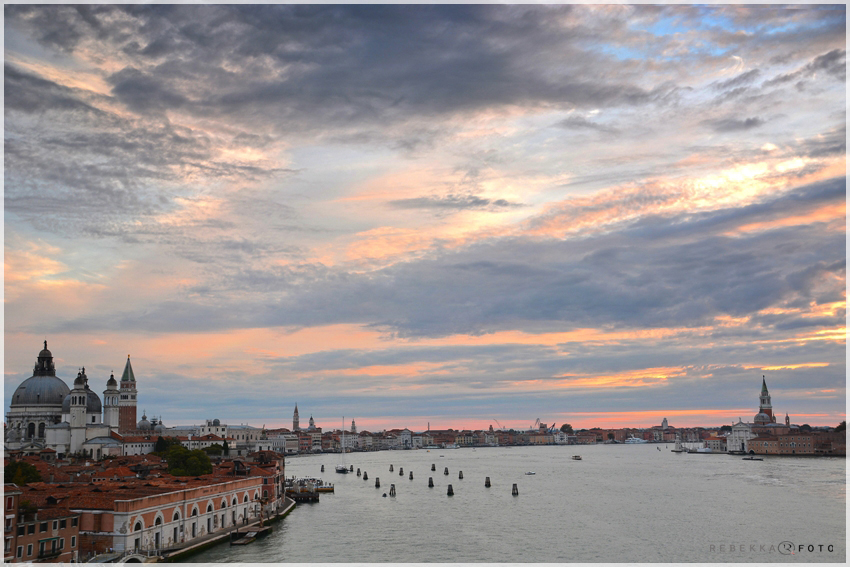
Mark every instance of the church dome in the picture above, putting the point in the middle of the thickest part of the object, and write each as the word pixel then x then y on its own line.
pixel 111 383
pixel 93 404
pixel 144 424
pixel 40 391
pixel 43 388
pixel 762 417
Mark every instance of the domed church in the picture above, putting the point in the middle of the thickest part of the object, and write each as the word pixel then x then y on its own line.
pixel 45 413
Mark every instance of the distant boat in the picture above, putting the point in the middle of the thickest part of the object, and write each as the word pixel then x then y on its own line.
pixel 576 457
pixel 752 459
pixel 341 468
pixel 633 440
pixel 530 472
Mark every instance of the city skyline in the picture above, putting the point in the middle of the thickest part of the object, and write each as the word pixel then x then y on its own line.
pixel 462 215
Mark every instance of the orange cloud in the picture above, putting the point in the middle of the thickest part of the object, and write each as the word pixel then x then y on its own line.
pixel 826 214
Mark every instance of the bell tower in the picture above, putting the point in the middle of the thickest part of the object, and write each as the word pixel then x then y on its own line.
pixel 79 401
pixel 127 400
pixel 295 420
pixel 111 409
pixel 764 402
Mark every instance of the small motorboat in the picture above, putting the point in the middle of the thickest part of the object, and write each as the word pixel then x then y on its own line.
pixel 576 457
pixel 752 459
pixel 530 472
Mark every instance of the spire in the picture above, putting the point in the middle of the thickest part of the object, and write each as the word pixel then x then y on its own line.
pixel 763 385
pixel 128 372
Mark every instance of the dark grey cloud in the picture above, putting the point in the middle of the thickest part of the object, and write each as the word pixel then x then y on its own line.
pixel 832 63
pixel 30 94
pixel 746 78
pixel 454 202
pixel 734 124
pixel 581 123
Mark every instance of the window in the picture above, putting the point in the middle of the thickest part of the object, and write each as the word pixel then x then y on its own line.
pixel 9 503
pixel 61 543
pixel 20 551
pixel 43 527
pixel 73 542
pixel 55 524
pixel 73 522
pixel 29 550
pixel 30 529
pixel 21 530
pixel 63 524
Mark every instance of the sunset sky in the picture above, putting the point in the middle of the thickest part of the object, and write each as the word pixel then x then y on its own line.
pixel 462 215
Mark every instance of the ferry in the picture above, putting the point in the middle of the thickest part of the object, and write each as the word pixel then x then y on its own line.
pixel 632 440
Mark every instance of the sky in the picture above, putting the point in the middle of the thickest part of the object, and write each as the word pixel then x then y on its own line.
pixel 404 215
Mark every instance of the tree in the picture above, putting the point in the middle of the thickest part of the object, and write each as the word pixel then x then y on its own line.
pixel 726 428
pixel 567 428
pixel 610 436
pixel 183 462
pixel 214 449
pixel 226 449
pixel 841 426
pixel 161 449
pixel 805 428
pixel 21 473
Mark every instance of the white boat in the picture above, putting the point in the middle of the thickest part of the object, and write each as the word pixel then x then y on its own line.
pixel 341 468
pixel 632 440
pixel 451 446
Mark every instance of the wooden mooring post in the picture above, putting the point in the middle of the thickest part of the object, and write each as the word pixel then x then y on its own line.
pixel 515 491
pixel 450 491
pixel 487 482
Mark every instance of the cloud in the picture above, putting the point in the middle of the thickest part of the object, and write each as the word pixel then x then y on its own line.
pixel 453 202
pixel 738 81
pixel 734 124
pixel 581 123
pixel 832 63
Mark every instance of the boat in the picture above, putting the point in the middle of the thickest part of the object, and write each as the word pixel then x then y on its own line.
pixel 576 457
pixel 752 459
pixel 633 440
pixel 451 446
pixel 341 468
pixel 530 472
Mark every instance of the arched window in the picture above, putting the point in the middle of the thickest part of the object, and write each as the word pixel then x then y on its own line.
pixel 176 515
pixel 234 501
pixel 158 521
pixel 41 430
pixel 223 504
pixel 245 499
pixel 209 508
pixel 31 430
pixel 194 511
pixel 138 527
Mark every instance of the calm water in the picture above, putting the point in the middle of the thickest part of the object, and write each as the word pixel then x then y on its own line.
pixel 620 503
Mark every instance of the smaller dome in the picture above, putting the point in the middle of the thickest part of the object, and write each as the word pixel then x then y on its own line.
pixel 111 383
pixel 216 422
pixel 80 380
pixel 93 404
pixel 159 428
pixel 144 424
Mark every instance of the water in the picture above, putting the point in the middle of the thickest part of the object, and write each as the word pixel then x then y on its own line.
pixel 620 503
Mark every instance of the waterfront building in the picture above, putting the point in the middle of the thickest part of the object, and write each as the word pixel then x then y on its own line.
pixel 115 510
pixel 35 535
pixel 737 439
